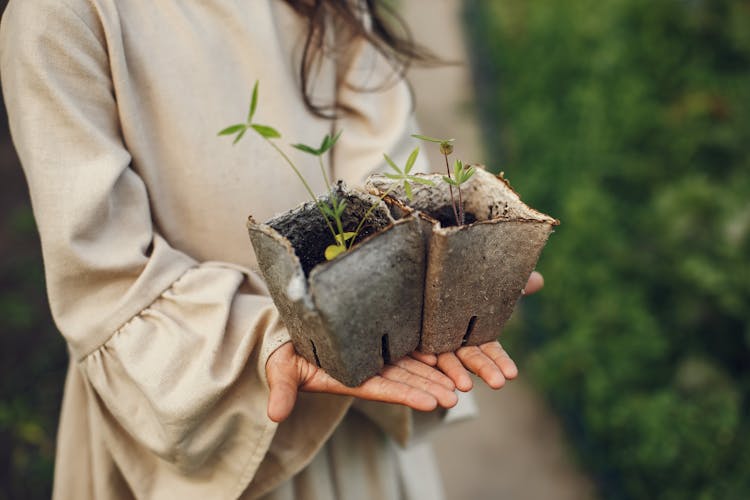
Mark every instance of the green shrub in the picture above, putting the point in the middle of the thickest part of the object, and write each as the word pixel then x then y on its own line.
pixel 32 355
pixel 630 121
pixel 33 358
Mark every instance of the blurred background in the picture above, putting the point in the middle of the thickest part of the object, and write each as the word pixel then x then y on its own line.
pixel 33 357
pixel 628 120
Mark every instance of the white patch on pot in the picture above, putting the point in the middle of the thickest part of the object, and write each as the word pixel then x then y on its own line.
pixel 296 289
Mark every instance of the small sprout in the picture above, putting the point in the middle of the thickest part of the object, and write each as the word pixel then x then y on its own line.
pixel 460 174
pixel 266 131
pixel 325 146
pixel 404 175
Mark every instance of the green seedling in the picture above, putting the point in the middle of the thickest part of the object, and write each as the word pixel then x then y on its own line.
pixel 402 175
pixel 337 207
pixel 462 174
pixel 343 240
pixel 336 210
pixel 325 146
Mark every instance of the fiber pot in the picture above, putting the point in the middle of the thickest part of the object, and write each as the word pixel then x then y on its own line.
pixel 475 272
pixel 354 313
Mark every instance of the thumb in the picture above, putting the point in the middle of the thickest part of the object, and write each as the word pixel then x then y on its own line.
pixel 535 283
pixel 283 382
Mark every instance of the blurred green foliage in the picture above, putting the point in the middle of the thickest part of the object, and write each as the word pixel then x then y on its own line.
pixel 629 120
pixel 33 358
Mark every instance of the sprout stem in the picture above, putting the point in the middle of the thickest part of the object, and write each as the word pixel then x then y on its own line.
pixel 307 186
pixel 460 206
pixel 453 199
pixel 367 214
pixel 323 171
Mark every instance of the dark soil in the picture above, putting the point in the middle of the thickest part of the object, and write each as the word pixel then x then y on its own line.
pixel 308 233
pixel 447 218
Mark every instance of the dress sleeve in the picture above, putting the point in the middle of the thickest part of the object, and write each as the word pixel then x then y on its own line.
pixel 173 350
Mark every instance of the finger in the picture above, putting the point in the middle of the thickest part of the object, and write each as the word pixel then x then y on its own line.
pixel 479 363
pixel 535 283
pixel 500 357
pixel 426 371
pixel 283 382
pixel 380 388
pixel 428 359
pixel 444 396
pixel 377 388
pixel 454 369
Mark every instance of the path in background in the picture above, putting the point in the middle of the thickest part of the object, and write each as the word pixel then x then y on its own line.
pixel 515 450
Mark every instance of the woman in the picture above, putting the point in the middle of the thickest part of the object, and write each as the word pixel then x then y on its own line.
pixel 182 381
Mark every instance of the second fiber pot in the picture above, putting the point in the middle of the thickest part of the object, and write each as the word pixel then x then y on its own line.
pixel 475 272
pixel 358 311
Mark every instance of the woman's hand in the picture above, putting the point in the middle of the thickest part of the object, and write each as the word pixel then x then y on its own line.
pixel 420 381
pixel 488 361
pixel 410 381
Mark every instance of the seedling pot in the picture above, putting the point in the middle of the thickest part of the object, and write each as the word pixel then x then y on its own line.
pixel 362 309
pixel 475 272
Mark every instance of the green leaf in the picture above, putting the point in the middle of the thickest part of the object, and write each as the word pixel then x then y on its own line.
pixel 410 161
pixel 266 131
pixel 307 149
pixel 239 136
pixel 333 251
pixel 392 164
pixel 419 180
pixel 394 176
pixel 344 237
pixel 466 174
pixel 253 103
pixel 329 141
pixel 327 210
pixel 233 129
pixel 335 139
pixel 340 208
pixel 458 167
pixel 407 188
pixel 449 180
pixel 428 138
pixel 324 144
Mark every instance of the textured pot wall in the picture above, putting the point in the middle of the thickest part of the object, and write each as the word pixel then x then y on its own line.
pixel 475 275
pixel 476 272
pixel 373 292
pixel 350 313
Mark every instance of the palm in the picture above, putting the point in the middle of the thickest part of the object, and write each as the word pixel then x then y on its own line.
pixel 409 382
pixel 419 381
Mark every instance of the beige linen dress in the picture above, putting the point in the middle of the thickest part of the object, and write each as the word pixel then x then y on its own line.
pixel 114 108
